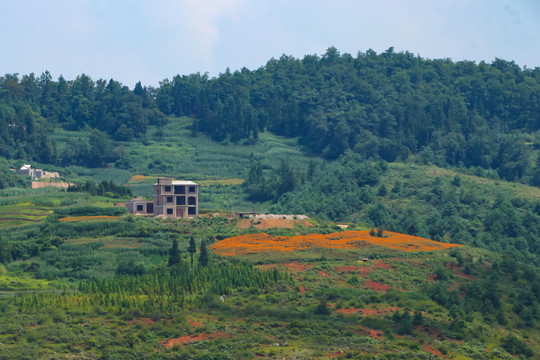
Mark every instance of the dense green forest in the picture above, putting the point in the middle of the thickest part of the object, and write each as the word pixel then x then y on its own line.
pixel 382 106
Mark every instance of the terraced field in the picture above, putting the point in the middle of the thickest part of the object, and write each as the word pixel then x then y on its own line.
pixel 22 214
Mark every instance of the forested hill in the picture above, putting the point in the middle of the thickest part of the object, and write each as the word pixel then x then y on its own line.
pixel 387 105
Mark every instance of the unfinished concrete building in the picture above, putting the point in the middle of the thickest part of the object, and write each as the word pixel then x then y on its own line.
pixel 179 199
pixel 140 206
pixel 37 174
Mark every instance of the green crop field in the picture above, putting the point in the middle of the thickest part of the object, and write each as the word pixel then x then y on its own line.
pixel 182 156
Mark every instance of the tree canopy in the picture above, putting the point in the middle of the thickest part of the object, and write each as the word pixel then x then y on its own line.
pixel 383 106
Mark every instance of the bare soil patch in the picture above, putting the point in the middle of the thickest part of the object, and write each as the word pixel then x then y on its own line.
pixel 365 331
pixel 435 352
pixel 373 285
pixel 142 321
pixel 347 311
pixel 195 324
pixel 455 269
pixel 191 338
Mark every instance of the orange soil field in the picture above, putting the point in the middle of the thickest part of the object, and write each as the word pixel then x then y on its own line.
pixel 88 218
pixel 262 243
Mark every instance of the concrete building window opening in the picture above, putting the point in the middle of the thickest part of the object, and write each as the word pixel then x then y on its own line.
pixel 181 200
pixel 167 189
pixel 192 201
pixel 192 210
pixel 179 189
pixel 140 208
pixel 192 189
pixel 169 199
pixel 169 211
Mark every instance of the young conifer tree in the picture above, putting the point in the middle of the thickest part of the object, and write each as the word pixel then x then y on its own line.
pixel 192 249
pixel 203 256
pixel 174 255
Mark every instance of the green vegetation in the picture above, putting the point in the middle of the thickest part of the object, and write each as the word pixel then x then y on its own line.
pixel 385 141
pixel 128 289
pixel 425 201
pixel 389 106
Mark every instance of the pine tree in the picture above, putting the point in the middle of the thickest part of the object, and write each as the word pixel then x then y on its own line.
pixel 192 249
pixel 174 255
pixel 203 256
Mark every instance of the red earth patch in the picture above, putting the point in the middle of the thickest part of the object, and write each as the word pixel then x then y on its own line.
pixel 470 277
pixel 347 311
pixel 194 323
pixel 380 311
pixel 323 273
pixel 191 338
pixel 373 285
pixel 142 321
pixel 435 352
pixel 429 331
pixel 365 331
pixel 455 270
pixel 302 289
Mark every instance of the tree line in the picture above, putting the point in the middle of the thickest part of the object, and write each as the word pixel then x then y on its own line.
pixel 382 106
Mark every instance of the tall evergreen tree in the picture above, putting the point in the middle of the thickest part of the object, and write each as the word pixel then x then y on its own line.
pixel 203 256
pixel 192 249
pixel 174 254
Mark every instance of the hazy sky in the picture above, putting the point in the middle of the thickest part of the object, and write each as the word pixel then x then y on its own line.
pixel 132 40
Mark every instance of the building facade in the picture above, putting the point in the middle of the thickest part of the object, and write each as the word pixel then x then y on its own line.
pixel 178 199
pixel 37 174
pixel 140 206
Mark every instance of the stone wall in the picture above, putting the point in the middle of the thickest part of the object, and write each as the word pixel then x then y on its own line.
pixel 40 184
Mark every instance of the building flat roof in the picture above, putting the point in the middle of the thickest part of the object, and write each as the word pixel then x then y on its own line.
pixel 178 182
